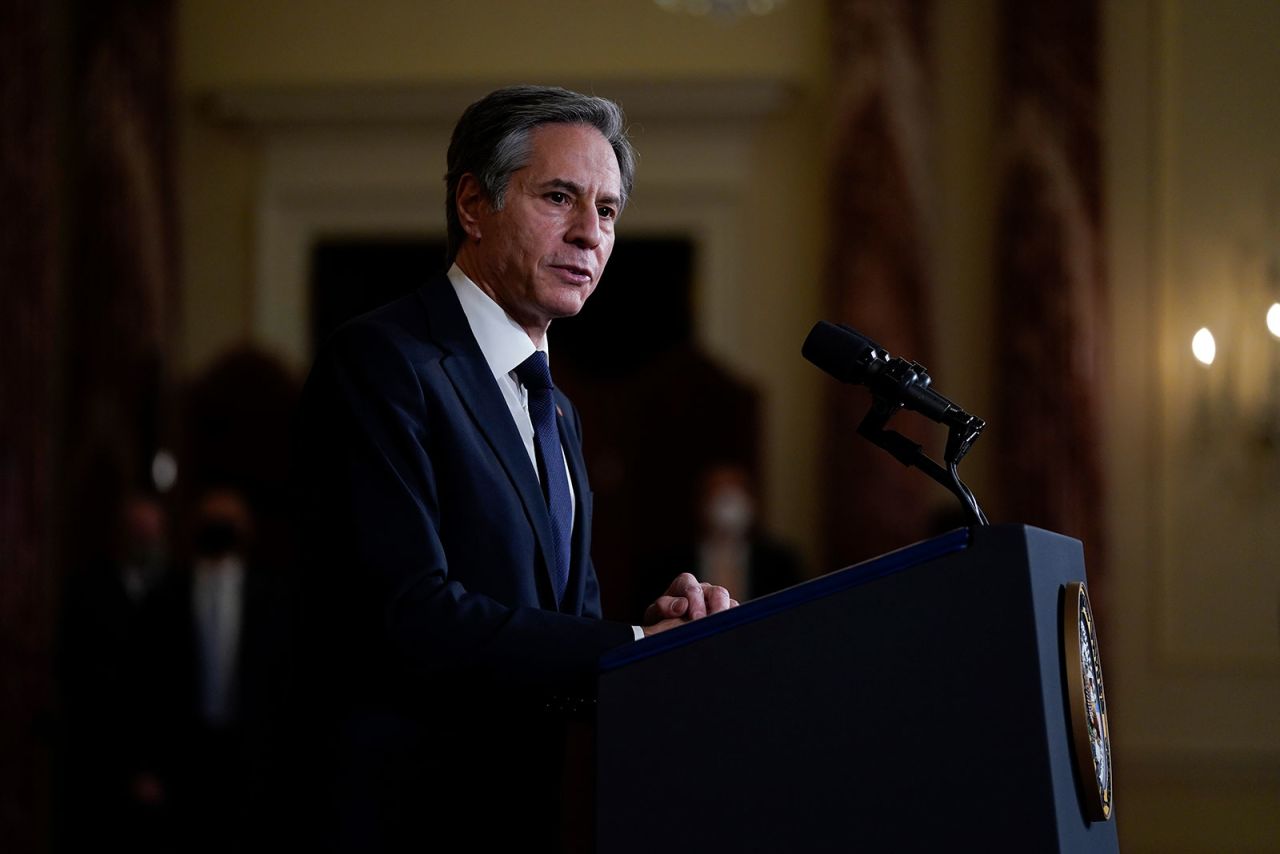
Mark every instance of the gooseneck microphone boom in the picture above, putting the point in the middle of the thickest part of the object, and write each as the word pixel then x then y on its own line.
pixel 895 384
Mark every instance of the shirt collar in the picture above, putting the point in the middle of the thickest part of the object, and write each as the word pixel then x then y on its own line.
pixel 503 342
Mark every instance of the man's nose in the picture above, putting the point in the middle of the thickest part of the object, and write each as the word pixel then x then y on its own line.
pixel 584 228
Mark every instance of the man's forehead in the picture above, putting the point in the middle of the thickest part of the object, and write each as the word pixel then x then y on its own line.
pixel 574 154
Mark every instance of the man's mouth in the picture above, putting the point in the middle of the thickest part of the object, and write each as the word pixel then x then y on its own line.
pixel 574 273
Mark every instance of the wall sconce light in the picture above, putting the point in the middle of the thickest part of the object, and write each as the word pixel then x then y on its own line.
pixel 1238 389
pixel 1239 394
pixel 1203 347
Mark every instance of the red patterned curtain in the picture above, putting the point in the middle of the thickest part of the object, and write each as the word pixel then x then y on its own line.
pixel 87 305
pixel 28 280
pixel 879 274
pixel 1051 315
pixel 122 282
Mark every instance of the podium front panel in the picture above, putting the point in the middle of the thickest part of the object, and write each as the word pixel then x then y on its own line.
pixel 914 702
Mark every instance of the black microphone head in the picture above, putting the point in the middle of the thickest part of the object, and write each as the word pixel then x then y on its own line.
pixel 843 352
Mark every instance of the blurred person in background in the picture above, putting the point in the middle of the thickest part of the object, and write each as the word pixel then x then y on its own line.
pixel 216 637
pixel 100 671
pixel 733 550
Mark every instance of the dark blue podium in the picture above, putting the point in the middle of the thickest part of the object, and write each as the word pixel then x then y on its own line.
pixel 915 702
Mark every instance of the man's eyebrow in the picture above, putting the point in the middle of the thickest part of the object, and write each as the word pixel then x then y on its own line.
pixel 578 190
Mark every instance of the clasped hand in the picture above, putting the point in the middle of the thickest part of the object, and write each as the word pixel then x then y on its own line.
pixel 687 599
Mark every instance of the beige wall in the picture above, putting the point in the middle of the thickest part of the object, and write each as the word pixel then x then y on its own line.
pixel 248 42
pixel 1191 128
pixel 1193 594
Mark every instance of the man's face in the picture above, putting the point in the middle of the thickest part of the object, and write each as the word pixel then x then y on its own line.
pixel 541 256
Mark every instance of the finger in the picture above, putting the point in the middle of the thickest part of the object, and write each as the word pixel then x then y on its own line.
pixel 687 587
pixel 717 598
pixel 665 625
pixel 665 608
pixel 684 581
pixel 733 603
pixel 697 599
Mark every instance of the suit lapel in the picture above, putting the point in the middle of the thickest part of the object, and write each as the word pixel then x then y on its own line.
pixel 469 372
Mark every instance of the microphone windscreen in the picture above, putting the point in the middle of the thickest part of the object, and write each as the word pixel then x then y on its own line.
pixel 840 351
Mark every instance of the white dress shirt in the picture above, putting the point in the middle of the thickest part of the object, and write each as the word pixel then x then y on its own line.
pixel 505 346
pixel 217 600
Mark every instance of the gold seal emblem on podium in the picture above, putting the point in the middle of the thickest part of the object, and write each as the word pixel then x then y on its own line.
pixel 1090 736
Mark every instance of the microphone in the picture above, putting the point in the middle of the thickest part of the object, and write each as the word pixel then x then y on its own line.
pixel 853 358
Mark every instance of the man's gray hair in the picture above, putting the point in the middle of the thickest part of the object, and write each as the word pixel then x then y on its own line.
pixel 492 140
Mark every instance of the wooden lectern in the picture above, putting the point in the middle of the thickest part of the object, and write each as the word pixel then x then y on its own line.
pixel 916 702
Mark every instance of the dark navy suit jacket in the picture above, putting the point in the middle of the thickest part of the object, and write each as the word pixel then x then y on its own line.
pixel 430 637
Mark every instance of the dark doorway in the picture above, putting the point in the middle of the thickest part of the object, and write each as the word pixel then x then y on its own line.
pixel 354 275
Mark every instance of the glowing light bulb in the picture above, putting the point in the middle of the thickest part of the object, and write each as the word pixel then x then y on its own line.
pixel 1203 347
pixel 1273 319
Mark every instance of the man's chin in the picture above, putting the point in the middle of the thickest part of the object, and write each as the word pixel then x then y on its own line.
pixel 567 303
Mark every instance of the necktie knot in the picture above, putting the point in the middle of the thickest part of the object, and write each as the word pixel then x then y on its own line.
pixel 534 371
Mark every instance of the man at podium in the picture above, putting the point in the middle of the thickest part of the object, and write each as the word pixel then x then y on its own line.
pixel 449 608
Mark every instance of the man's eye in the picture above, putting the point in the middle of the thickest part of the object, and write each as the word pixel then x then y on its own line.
pixel 557 198
pixel 607 213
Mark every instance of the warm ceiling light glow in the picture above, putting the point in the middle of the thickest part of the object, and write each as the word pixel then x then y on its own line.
pixel 1273 319
pixel 1203 346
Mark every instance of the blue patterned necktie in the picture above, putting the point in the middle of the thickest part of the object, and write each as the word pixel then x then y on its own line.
pixel 535 374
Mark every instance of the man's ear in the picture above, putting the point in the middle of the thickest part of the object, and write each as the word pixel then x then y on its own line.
pixel 472 203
